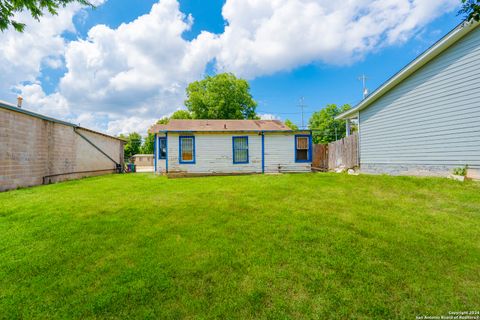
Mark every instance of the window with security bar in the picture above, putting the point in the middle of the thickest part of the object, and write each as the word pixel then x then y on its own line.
pixel 240 150
pixel 187 149
pixel 162 148
pixel 302 145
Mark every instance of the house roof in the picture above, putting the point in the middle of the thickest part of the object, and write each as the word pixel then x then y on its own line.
pixel 11 107
pixel 220 126
pixel 447 41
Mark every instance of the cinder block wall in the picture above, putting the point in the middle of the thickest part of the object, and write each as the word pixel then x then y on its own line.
pixel 32 148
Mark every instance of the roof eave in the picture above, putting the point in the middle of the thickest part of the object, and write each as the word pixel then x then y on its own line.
pixel 452 37
pixel 11 107
pixel 14 108
pixel 227 131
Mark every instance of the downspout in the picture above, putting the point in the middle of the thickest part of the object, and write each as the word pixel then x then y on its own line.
pixel 263 152
pixel 166 153
pixel 310 148
pixel 118 166
pixel 358 140
pixel 155 152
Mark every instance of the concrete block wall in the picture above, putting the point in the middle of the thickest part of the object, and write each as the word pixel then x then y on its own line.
pixel 88 157
pixel 416 170
pixel 32 148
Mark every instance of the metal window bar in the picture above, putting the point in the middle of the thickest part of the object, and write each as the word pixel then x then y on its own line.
pixel 302 143
pixel 240 146
pixel 162 148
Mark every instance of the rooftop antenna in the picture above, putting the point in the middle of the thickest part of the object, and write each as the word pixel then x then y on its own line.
pixel 364 78
pixel 302 105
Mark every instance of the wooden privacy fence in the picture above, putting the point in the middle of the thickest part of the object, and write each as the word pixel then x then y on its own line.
pixel 339 154
pixel 320 157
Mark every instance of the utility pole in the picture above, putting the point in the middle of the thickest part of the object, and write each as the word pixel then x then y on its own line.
pixel 302 106
pixel 364 78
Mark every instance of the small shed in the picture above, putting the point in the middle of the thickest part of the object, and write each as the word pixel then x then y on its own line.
pixel 202 147
pixel 143 162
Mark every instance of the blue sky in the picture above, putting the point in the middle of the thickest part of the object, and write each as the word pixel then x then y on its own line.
pixel 109 70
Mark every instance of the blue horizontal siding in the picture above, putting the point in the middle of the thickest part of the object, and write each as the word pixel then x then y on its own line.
pixel 432 117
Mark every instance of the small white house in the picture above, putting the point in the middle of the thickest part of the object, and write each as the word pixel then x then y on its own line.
pixel 230 147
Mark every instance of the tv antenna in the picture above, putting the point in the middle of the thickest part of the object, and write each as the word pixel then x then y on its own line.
pixel 302 105
pixel 364 78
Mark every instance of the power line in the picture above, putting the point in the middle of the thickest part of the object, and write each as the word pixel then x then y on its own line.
pixel 275 112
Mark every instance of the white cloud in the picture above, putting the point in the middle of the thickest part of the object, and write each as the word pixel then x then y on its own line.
pixel 266 36
pixel 127 125
pixel 54 105
pixel 268 116
pixel 23 54
pixel 124 79
pixel 137 72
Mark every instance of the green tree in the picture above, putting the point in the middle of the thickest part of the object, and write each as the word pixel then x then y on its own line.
pixel 133 145
pixel 164 120
pixel 148 144
pixel 8 9
pixel 179 115
pixel 291 125
pixel 471 10
pixel 324 127
pixel 222 96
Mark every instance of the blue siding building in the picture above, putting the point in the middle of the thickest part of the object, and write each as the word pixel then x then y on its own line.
pixel 425 120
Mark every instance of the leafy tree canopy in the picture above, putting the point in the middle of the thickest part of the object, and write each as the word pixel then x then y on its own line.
pixel 133 145
pixel 8 8
pixel 471 10
pixel 291 125
pixel 164 120
pixel 324 127
pixel 222 96
pixel 148 144
pixel 179 114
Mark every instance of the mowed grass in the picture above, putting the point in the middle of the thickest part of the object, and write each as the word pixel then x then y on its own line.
pixel 322 246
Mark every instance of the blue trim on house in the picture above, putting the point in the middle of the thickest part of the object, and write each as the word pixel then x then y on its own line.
pixel 155 152
pixel 160 146
pixel 166 147
pixel 180 150
pixel 233 150
pixel 263 152
pixel 309 136
pixel 234 131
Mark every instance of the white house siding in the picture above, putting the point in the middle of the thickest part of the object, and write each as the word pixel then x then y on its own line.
pixel 280 154
pixel 429 123
pixel 213 154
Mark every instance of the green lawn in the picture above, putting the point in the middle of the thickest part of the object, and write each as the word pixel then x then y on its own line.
pixel 320 246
